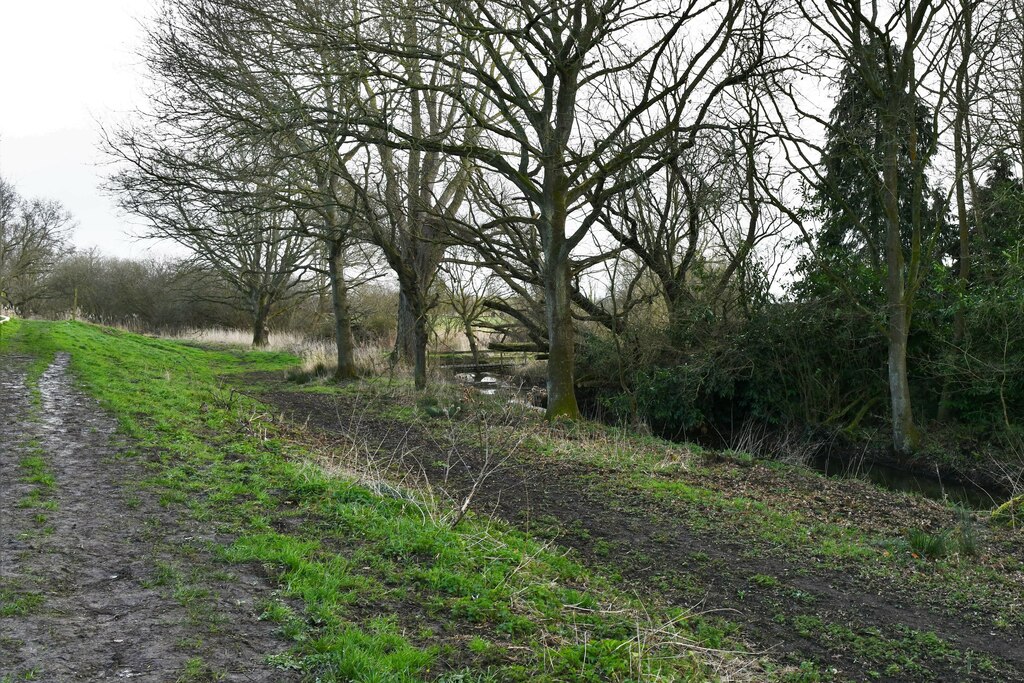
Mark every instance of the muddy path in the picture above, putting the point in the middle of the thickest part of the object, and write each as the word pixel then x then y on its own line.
pixel 643 540
pixel 98 580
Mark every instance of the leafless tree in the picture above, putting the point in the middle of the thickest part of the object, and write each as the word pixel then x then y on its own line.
pixel 976 32
pixel 1001 85
pixel 232 85
pixel 564 95
pixel 231 228
pixel 695 223
pixel 465 290
pixel 33 236
pixel 266 74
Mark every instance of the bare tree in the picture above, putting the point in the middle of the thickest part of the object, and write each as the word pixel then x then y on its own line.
pixel 239 79
pixel 465 290
pixel 267 75
pixel 33 236
pixel 1001 83
pixel 564 96
pixel 231 228
pixel 695 223
pixel 975 37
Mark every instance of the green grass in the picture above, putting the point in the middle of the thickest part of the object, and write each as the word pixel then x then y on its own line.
pixel 929 546
pixel 23 675
pixel 708 492
pixel 8 331
pixel 764 581
pixel 965 573
pixel 901 654
pixel 498 603
pixel 197 671
pixel 362 578
pixel 37 472
pixel 16 603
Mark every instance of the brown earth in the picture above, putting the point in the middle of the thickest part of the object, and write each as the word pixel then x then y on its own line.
pixel 648 543
pixel 112 584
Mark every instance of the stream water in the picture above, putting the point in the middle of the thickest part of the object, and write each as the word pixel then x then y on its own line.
pixel 887 476
pixel 966 494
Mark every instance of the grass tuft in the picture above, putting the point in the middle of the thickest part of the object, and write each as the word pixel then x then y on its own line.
pixel 929 546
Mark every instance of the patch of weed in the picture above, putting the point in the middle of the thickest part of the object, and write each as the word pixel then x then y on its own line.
pixel 198 671
pixel 764 581
pixel 16 604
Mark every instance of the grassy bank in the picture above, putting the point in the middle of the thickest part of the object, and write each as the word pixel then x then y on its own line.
pixel 374 583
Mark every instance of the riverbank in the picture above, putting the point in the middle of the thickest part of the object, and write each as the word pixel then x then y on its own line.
pixel 250 554
pixel 835 578
pixel 976 476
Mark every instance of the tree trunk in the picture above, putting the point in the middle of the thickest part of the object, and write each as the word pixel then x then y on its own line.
pixel 420 338
pixel 405 339
pixel 260 334
pixel 561 342
pixel 414 332
pixel 1020 103
pixel 342 318
pixel 904 433
pixel 675 307
pixel 471 338
pixel 558 299
pixel 963 173
pixel 959 324
pixel 324 302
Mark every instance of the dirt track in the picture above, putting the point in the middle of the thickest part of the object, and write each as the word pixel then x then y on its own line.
pixel 90 565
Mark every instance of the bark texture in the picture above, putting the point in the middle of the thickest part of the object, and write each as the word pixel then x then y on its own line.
pixel 342 316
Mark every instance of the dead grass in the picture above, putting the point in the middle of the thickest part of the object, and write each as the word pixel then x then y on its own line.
pixel 318 355
pixel 289 342
pixel 319 358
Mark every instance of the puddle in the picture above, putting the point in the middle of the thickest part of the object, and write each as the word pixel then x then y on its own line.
pixel 488 384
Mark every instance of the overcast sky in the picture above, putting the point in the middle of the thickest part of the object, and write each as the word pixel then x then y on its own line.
pixel 65 67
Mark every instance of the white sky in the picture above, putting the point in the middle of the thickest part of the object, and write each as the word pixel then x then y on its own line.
pixel 66 66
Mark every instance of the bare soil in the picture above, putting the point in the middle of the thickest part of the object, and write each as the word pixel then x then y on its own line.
pixel 648 543
pixel 101 582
